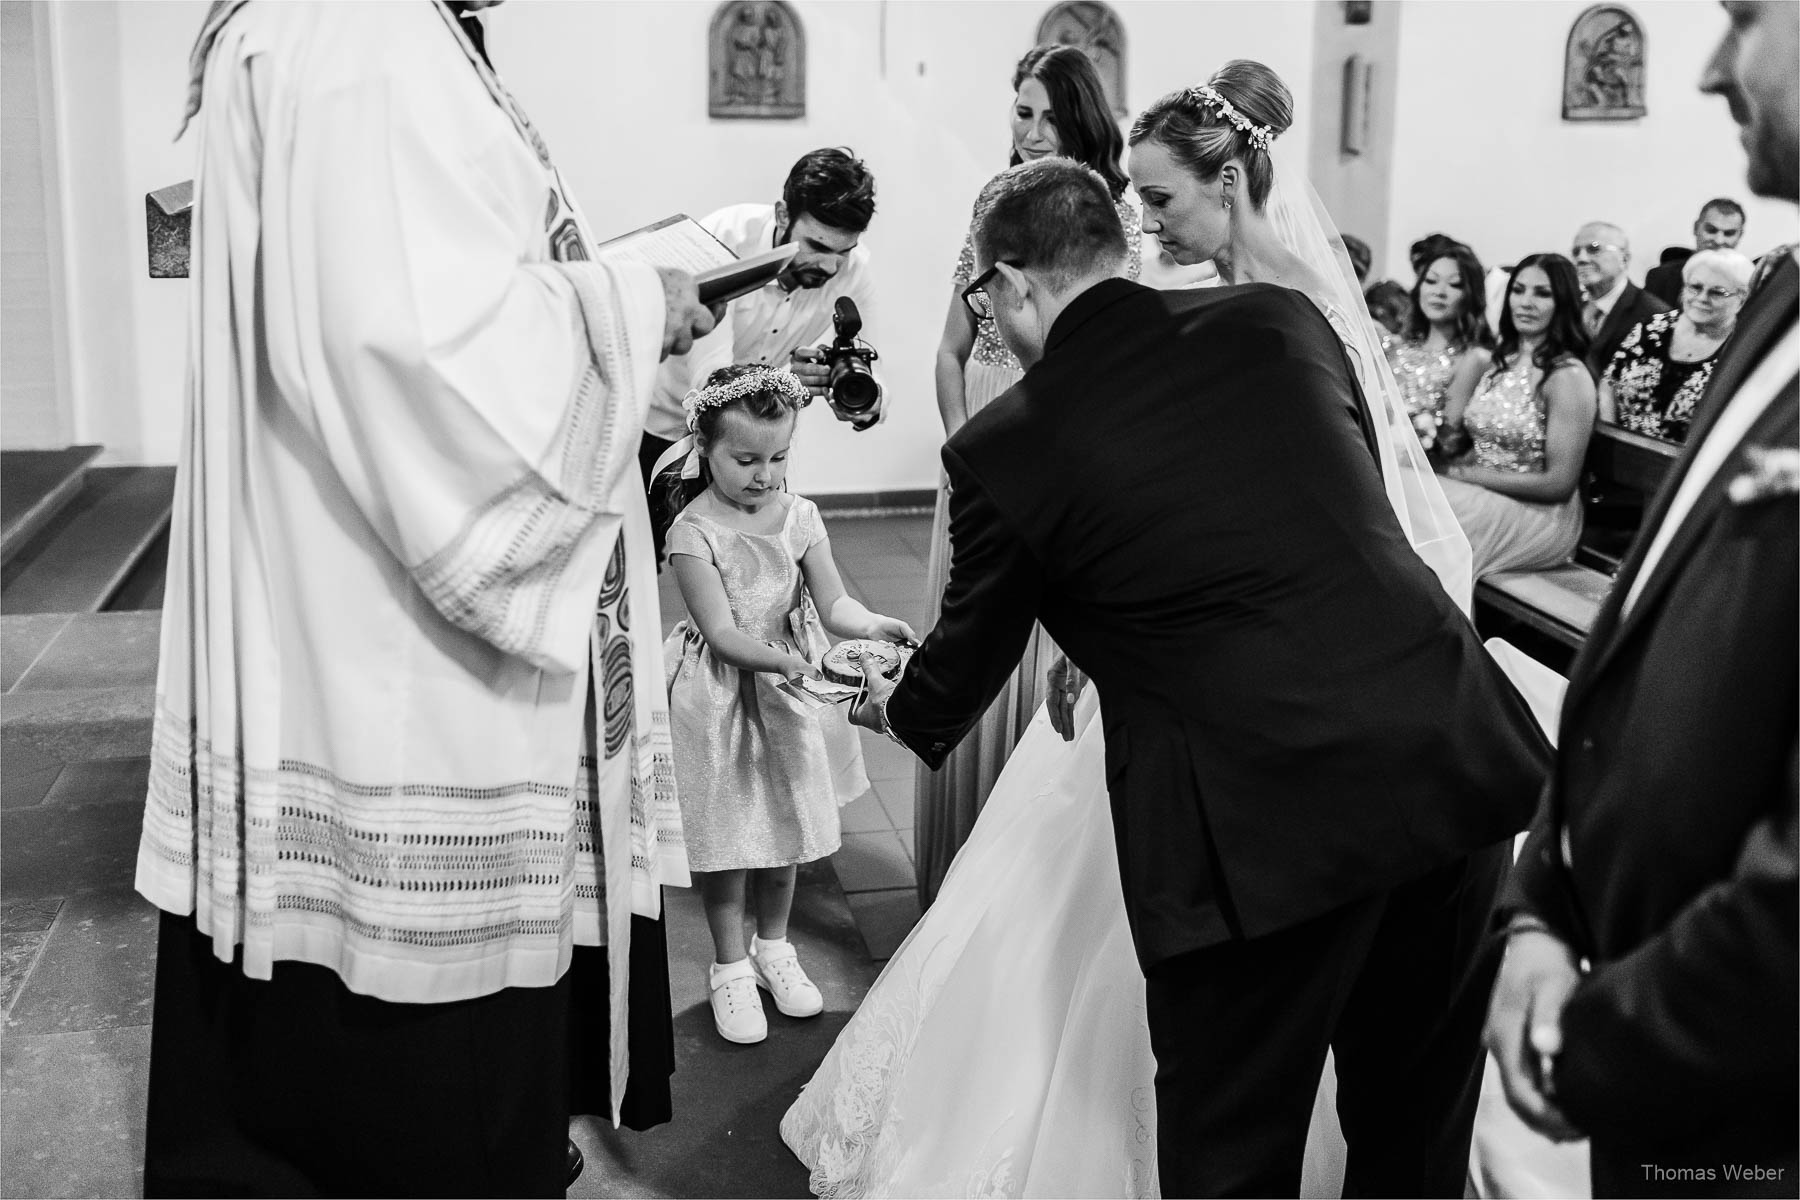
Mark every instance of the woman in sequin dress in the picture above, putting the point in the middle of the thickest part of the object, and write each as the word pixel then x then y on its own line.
pixel 759 771
pixel 1446 344
pixel 1515 491
pixel 1663 365
pixel 1059 107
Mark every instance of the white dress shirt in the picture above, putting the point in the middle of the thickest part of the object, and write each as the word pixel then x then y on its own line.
pixel 766 326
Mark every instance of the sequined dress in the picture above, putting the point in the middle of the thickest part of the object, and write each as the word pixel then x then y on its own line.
pixel 1424 377
pixel 760 774
pixel 1507 422
pixel 947 801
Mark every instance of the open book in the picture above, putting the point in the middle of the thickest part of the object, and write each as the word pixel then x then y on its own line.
pixel 684 244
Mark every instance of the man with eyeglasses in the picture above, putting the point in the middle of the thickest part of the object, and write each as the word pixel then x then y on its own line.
pixel 1720 226
pixel 1614 304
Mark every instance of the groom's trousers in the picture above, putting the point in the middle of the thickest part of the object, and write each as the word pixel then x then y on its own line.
pixel 1396 985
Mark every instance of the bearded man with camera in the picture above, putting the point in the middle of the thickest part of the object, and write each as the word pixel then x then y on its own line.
pixel 809 316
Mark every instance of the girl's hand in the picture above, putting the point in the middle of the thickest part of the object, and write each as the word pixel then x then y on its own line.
pixel 890 629
pixel 798 667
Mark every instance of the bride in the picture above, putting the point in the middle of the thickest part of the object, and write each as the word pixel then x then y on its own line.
pixel 1004 1050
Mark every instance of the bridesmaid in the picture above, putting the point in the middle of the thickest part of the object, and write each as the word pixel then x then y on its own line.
pixel 1515 491
pixel 1445 346
pixel 1059 107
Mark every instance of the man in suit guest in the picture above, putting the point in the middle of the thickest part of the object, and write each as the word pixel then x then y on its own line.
pixel 1720 226
pixel 1614 304
pixel 1649 994
pixel 1312 762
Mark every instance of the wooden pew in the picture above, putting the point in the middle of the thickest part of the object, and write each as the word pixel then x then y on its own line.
pixel 1622 472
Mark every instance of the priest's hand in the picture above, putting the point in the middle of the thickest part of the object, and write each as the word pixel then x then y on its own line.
pixel 871 711
pixel 684 317
pixel 1524 1028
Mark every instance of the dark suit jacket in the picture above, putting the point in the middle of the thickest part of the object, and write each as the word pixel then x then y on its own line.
pixel 1184 492
pixel 1635 305
pixel 1664 280
pixel 1665 850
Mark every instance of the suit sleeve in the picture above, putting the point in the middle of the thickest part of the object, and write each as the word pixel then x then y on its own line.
pixel 1701 1016
pixel 1533 887
pixel 990 602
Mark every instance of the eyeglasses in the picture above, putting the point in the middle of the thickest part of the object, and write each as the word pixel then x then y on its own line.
pixel 1592 249
pixel 1716 295
pixel 975 295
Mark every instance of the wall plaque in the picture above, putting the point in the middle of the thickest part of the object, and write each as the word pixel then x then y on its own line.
pixel 1603 66
pixel 1096 29
pixel 758 61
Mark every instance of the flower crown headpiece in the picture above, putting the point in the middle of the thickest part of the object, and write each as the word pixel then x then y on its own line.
pixel 758 379
pixel 1207 96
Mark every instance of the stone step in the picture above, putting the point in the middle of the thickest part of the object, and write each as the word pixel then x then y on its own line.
pixel 34 486
pixel 92 546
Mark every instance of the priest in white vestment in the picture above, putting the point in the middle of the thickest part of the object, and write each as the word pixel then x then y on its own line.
pixel 411 751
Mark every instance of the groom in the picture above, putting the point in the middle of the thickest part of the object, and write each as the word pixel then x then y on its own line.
pixel 1313 766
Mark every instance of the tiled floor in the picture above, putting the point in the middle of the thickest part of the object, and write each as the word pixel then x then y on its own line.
pixel 77 948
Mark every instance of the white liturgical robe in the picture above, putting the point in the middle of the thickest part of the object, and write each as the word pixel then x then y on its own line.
pixel 410 723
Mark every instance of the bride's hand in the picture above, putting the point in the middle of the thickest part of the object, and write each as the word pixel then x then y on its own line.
pixel 1065 682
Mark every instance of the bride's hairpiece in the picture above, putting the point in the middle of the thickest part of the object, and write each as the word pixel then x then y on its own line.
pixel 1208 97
pixel 757 379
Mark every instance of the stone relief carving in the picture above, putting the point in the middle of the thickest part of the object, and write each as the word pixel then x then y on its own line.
pixel 1603 66
pixel 1096 29
pixel 758 61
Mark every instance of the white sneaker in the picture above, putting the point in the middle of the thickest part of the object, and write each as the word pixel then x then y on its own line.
pixel 778 969
pixel 737 1009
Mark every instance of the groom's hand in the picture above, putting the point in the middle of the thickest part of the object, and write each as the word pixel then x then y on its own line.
pixel 1063 683
pixel 1524 1028
pixel 876 689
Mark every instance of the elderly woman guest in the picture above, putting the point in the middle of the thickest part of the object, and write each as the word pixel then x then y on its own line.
pixel 1446 341
pixel 1059 107
pixel 1515 489
pixel 1662 367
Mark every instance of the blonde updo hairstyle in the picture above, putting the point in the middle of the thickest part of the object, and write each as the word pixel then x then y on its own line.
pixel 1202 139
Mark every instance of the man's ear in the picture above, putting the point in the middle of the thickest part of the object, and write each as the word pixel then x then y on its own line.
pixel 781 221
pixel 1023 286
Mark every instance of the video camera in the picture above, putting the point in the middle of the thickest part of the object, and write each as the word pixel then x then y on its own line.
pixel 851 389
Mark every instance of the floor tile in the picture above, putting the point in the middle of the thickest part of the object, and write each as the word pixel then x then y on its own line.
pixel 99 650
pixel 869 568
pixel 22 639
pixel 907 841
pixel 64 849
pixel 885 918
pixel 75 1118
pixel 897 799
pixel 872 861
pixel 885 760
pixel 108 781
pixel 97 971
pixel 865 814
pixel 26 773
pixel 24 928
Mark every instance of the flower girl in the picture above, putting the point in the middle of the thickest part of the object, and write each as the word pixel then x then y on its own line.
pixel 760 767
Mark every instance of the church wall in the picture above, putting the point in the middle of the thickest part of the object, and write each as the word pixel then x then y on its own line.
pixel 1481 150
pixel 619 91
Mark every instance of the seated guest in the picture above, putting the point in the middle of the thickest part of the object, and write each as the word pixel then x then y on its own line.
pixel 1361 257
pixel 1514 491
pixel 1766 265
pixel 1613 303
pixel 1663 365
pixel 1389 304
pixel 1720 226
pixel 1445 336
